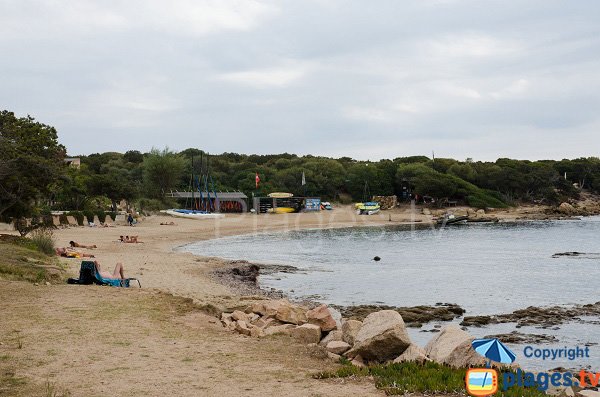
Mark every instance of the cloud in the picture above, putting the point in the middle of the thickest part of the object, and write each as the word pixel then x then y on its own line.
pixel 471 80
pixel 280 76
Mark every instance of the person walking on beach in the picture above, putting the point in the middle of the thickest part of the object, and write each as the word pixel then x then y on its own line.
pixel 130 220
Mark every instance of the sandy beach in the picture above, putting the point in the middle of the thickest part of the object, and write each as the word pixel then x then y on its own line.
pixel 88 340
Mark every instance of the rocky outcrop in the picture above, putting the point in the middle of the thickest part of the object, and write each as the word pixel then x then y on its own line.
pixel 413 353
pixel 567 209
pixel 321 317
pixel 281 310
pixel 350 329
pixel 382 337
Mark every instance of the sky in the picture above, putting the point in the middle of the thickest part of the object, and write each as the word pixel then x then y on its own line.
pixel 375 79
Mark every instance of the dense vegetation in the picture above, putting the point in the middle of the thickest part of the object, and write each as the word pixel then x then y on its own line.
pixel 428 378
pixel 34 178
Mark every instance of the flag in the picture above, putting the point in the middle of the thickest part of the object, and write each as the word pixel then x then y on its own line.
pixel 257 179
pixel 303 179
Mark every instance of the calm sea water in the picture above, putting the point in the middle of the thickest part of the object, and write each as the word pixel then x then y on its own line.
pixel 485 268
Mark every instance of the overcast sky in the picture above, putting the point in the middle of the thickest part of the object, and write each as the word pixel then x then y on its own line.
pixel 365 79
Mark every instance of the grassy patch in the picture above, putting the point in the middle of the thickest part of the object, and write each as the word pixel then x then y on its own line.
pixel 20 260
pixel 398 379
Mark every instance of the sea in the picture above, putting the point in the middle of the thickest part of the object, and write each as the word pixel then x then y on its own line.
pixel 486 268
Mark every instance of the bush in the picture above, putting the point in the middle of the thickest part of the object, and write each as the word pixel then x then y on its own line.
pixel 89 216
pixel 48 221
pixel 43 240
pixel 62 219
pixel 149 205
pixel 78 215
pixel 113 215
pixel 101 216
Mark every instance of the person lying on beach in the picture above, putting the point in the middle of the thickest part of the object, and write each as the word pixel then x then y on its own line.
pixel 70 253
pixel 118 273
pixel 168 223
pixel 128 239
pixel 77 245
pixel 106 224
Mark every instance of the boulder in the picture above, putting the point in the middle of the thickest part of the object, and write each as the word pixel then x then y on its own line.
pixel 426 211
pixel 321 316
pixel 242 328
pixel 358 362
pixel 452 346
pixel 349 330
pixel 337 347
pixel 265 322
pixel 566 208
pixel 382 337
pixel 284 329
pixel 306 333
pixel 480 212
pixel 337 316
pixel 414 353
pixel 255 331
pixel 334 357
pixel 282 310
pixel 238 315
pixel 335 335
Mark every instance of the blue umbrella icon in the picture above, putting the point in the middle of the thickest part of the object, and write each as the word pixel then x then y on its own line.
pixel 494 350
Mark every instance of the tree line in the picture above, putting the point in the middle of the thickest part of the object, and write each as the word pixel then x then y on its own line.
pixel 34 177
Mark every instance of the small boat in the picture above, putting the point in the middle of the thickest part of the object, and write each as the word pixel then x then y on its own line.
pixel 367 208
pixel 192 214
pixel 281 210
pixel 452 220
pixel 280 195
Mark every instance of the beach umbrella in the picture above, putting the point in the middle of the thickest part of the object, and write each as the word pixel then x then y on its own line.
pixel 494 350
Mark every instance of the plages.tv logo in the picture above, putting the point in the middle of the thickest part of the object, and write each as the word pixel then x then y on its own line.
pixel 484 381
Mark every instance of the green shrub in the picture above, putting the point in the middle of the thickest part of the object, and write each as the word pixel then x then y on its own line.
pixel 89 216
pixel 427 378
pixel 113 215
pixel 78 215
pixel 101 215
pixel 147 205
pixel 48 221
pixel 44 240
pixel 62 219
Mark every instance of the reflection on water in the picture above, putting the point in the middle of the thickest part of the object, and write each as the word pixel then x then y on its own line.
pixel 485 268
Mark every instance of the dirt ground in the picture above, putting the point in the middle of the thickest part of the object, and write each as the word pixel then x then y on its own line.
pixel 59 340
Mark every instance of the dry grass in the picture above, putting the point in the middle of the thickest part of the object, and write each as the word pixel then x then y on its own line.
pixel 20 261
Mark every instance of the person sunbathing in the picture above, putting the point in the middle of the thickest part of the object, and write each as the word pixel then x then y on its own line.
pixel 70 253
pixel 168 223
pixel 118 273
pixel 129 239
pixel 77 245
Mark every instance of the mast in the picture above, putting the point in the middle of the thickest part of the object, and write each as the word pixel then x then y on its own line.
pixel 193 200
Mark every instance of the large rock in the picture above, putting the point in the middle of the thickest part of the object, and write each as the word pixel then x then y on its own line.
pixel 350 329
pixel 284 329
pixel 566 208
pixel 238 315
pixel 242 328
pixel 335 335
pixel 414 353
pixel 306 333
pixel 382 337
pixel 337 347
pixel 321 316
pixel 337 316
pixel 452 346
pixel 281 310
